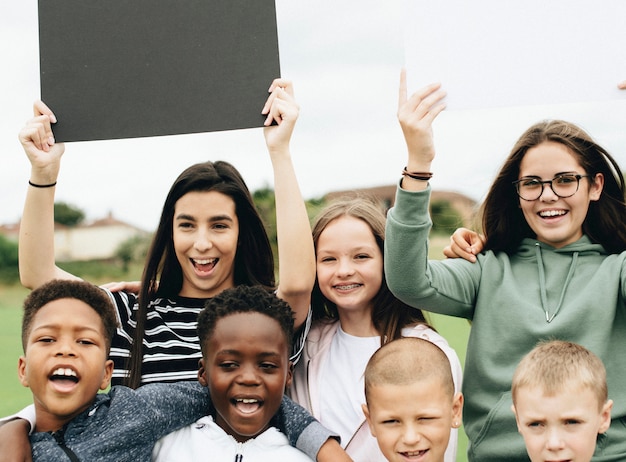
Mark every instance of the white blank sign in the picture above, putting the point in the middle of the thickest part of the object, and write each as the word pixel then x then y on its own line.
pixel 495 53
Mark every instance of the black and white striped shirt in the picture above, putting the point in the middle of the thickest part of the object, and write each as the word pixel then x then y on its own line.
pixel 171 346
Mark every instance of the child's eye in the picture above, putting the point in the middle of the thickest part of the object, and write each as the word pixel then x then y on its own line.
pixel 86 342
pixel 185 225
pixel 269 366
pixel 327 259
pixel 45 340
pixel 530 183
pixel 390 421
pixel 362 256
pixel 220 226
pixel 572 422
pixel 228 365
pixel 565 179
pixel 534 424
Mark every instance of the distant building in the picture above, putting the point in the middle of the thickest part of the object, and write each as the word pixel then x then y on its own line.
pixel 97 240
pixel 465 206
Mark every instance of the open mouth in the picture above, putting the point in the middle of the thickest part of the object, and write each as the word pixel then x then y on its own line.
pixel 64 377
pixel 204 266
pixel 247 405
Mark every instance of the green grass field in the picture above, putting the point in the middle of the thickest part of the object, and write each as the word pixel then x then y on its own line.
pixel 13 396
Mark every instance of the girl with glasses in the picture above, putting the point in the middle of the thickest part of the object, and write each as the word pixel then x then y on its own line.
pixel 553 266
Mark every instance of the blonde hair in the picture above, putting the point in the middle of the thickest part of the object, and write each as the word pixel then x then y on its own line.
pixel 553 365
pixel 408 360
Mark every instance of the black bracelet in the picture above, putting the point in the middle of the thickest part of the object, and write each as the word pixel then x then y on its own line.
pixel 35 185
pixel 421 176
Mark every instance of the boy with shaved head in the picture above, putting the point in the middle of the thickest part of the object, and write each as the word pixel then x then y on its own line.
pixel 411 405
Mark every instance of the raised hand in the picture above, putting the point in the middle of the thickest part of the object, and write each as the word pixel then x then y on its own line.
pixel 39 145
pixel 416 115
pixel 280 107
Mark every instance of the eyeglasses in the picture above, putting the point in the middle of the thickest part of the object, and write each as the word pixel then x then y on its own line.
pixel 531 188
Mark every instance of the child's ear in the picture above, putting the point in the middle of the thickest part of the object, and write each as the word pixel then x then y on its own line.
pixel 366 412
pixel 516 417
pixel 597 184
pixel 605 417
pixel 289 377
pixel 21 371
pixel 457 410
pixel 202 374
pixel 108 373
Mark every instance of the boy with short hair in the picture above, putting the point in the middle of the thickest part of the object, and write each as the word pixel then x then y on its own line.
pixel 411 405
pixel 67 329
pixel 245 336
pixel 560 400
pixel 66 332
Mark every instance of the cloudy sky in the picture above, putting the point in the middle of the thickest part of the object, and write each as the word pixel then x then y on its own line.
pixel 344 57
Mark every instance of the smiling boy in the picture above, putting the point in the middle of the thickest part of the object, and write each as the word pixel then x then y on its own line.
pixel 245 336
pixel 411 405
pixel 67 329
pixel 560 400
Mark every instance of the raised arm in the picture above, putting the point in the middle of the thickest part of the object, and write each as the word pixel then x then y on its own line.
pixel 36 242
pixel 408 222
pixel 296 254
pixel 416 115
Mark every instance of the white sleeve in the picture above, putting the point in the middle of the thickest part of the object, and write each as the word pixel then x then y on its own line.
pixel 28 414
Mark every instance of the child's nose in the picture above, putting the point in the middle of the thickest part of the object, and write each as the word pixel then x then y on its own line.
pixel 548 194
pixel 411 435
pixel 203 241
pixel 65 348
pixel 248 376
pixel 555 440
pixel 345 268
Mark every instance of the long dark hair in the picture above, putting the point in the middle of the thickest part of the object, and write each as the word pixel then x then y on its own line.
pixel 389 315
pixel 503 222
pixel 162 275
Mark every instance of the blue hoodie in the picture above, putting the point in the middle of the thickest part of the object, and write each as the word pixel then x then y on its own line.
pixel 575 293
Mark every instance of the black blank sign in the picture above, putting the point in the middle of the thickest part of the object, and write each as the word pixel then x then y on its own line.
pixel 133 68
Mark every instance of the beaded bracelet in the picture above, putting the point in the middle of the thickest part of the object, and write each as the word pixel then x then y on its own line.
pixel 421 176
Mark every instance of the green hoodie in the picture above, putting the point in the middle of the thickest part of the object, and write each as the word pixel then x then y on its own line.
pixel 575 293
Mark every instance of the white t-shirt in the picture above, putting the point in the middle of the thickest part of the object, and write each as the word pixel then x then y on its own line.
pixel 341 383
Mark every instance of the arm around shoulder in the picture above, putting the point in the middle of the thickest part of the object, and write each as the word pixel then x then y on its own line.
pixel 14 442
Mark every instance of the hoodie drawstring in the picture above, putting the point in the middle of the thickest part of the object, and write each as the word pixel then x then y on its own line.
pixel 59 436
pixel 239 455
pixel 542 283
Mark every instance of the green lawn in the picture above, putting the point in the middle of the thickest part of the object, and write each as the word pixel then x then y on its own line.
pixel 13 396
